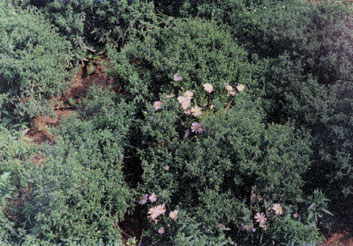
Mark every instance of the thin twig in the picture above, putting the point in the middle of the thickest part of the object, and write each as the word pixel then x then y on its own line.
pixel 140 240
pixel 228 105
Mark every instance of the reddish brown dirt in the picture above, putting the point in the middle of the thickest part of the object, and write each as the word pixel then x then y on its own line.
pixel 62 105
pixel 339 239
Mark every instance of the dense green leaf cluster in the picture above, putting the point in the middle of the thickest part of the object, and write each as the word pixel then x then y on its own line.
pixel 201 52
pixel 33 62
pixel 304 59
pixel 78 194
pixel 94 23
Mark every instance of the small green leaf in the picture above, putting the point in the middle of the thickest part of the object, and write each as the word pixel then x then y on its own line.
pixel 91 68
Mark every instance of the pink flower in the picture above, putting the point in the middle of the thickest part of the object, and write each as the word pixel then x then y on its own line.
pixel 153 212
pixel 184 101
pixel 143 200
pixel 157 105
pixel 196 111
pixel 177 77
pixel 187 132
pixel 230 90
pixel 173 214
pixel 166 168
pixel 181 99
pixel 260 218
pixel 160 209
pixel 153 197
pixel 197 127
pixel 187 112
pixel 277 208
pixel 161 230
pixel 263 226
pixel 295 215
pixel 208 87
pixel 170 95
pixel 188 94
pixel 240 87
pixel 185 104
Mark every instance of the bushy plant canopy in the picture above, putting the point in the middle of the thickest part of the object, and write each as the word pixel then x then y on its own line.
pixel 219 122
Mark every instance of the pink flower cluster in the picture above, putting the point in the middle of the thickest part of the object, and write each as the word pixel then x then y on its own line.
pixel 230 90
pixel 185 100
pixel 145 198
pixel 261 219
pixel 156 211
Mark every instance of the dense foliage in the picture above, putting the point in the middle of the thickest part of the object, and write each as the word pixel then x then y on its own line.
pixel 223 122
pixel 33 60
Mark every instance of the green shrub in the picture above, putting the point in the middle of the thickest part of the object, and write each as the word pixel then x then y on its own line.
pixel 201 52
pixel 211 175
pixel 33 60
pixel 319 37
pixel 94 23
pixel 79 194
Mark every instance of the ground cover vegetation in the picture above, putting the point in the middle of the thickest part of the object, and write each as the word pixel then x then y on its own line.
pixel 221 122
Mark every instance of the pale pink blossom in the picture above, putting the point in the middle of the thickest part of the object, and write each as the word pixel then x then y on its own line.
pixel 153 197
pixel 170 95
pixel 231 93
pixel 263 226
pixel 230 90
pixel 295 215
pixel 188 94
pixel 185 104
pixel 197 127
pixel 143 200
pixel 260 218
pixel 181 99
pixel 187 112
pixel 153 212
pixel 177 77
pixel 173 214
pixel 187 132
pixel 208 87
pixel 240 88
pixel 277 208
pixel 161 230
pixel 196 111
pixel 160 209
pixel 184 101
pixel 157 105
pixel 166 168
